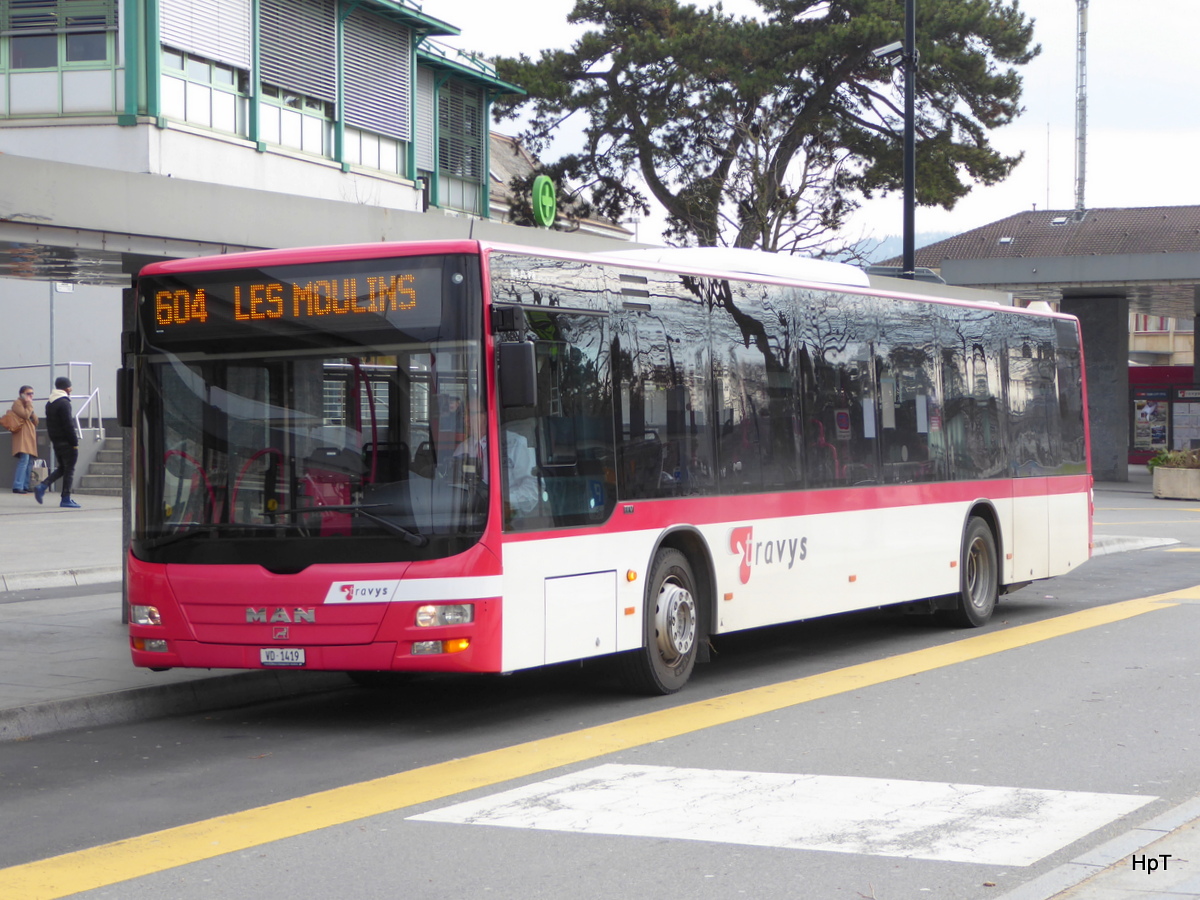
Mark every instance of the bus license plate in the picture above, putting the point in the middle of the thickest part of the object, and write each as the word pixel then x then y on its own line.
pixel 281 656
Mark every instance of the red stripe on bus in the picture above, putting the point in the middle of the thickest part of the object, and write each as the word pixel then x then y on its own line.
pixel 663 513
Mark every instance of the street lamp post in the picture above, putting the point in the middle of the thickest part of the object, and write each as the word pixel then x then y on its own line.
pixel 894 53
pixel 910 138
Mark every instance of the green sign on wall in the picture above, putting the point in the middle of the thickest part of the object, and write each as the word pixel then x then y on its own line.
pixel 545 201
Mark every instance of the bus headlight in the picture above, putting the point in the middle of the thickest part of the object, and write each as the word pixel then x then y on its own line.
pixel 149 646
pixel 145 615
pixel 425 648
pixel 449 614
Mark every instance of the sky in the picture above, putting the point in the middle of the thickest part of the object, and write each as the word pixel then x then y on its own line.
pixel 1143 112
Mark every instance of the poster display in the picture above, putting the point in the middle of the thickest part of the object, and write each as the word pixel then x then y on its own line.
pixel 1150 415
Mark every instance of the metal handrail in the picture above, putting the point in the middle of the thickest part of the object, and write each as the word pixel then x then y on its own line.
pixel 94 395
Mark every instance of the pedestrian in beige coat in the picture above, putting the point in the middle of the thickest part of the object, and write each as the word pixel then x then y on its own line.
pixel 24 439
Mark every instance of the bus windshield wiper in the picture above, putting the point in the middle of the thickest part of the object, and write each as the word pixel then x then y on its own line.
pixel 187 532
pixel 357 509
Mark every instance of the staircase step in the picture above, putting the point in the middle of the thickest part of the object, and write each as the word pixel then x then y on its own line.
pixel 98 492
pixel 104 476
pixel 101 480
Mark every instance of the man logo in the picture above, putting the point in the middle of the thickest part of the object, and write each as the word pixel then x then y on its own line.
pixel 297 616
pixel 281 634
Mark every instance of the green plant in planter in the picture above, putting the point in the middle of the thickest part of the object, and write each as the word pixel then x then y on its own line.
pixel 1175 459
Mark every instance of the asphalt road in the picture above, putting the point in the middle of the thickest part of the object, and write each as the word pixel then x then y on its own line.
pixel 795 765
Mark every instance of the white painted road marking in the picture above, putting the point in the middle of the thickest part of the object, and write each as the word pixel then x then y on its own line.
pixel 881 817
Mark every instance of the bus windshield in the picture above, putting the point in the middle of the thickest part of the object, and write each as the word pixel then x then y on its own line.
pixel 329 404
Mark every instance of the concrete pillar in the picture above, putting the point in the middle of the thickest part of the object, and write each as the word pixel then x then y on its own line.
pixel 1105 325
pixel 1195 343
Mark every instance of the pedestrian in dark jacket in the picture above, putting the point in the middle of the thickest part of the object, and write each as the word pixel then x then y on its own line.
pixel 64 436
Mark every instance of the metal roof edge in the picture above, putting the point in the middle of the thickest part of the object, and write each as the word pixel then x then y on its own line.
pixel 413 16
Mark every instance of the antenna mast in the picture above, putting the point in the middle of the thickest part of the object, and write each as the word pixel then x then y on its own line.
pixel 1081 110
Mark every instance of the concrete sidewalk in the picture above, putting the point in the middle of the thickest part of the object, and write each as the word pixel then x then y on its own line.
pixel 64 654
pixel 48 546
pixel 64 663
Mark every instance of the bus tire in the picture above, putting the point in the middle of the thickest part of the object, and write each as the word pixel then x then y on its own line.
pixel 671 629
pixel 979 579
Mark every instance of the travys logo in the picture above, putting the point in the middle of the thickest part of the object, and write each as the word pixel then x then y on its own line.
pixel 362 592
pixel 779 551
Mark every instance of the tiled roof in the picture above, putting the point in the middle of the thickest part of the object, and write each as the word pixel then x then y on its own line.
pixel 1056 233
pixel 509 158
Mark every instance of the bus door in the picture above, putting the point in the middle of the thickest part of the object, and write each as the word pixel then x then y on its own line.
pixel 1032 409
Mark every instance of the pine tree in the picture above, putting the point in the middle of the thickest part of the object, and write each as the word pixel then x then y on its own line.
pixel 768 132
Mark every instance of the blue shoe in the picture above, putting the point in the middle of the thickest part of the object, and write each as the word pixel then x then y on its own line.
pixel 70 504
pixel 39 492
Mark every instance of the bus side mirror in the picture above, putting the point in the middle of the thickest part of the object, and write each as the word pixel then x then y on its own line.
pixel 518 374
pixel 508 318
pixel 125 397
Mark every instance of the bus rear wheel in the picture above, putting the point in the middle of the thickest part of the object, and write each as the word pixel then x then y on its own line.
pixel 979 578
pixel 671 629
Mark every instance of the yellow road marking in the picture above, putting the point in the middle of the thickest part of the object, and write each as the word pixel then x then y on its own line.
pixel 1183 550
pixel 119 861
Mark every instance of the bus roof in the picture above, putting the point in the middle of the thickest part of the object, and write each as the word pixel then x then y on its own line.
pixel 295 255
pixel 701 260
pixel 748 262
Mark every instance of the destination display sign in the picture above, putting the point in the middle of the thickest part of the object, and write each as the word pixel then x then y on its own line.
pixel 357 297
pixel 276 300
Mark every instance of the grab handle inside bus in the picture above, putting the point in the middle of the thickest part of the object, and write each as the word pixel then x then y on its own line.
pixel 518 374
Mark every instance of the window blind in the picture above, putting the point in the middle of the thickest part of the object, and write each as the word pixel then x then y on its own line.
pixel 378 75
pixel 299 50
pixel 215 29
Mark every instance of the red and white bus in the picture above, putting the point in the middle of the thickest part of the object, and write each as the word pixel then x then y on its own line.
pixel 463 457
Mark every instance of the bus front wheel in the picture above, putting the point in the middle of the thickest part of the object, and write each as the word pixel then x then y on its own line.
pixel 671 629
pixel 980 577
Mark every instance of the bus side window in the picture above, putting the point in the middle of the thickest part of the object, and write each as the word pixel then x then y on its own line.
pixel 908 399
pixel 841 412
pixel 559 456
pixel 1069 371
pixel 1035 439
pixel 757 447
pixel 661 383
pixel 972 384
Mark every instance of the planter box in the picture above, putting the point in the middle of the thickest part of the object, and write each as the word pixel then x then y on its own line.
pixel 1176 484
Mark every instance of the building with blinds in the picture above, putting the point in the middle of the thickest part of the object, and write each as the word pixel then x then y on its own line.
pixel 331 99
pixel 138 130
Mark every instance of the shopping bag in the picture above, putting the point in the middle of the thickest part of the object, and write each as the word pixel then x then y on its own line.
pixel 38 472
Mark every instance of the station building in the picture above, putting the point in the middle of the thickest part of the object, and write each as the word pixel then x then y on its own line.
pixel 135 130
pixel 277 95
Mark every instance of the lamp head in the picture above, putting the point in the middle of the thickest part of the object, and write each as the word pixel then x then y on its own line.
pixel 891 53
